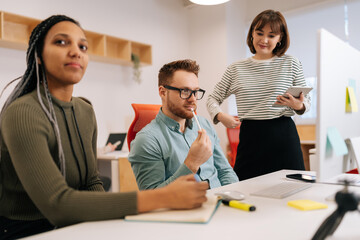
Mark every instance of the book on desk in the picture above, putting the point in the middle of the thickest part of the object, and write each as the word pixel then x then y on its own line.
pixel 202 214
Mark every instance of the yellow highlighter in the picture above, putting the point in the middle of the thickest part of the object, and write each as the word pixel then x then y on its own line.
pixel 239 205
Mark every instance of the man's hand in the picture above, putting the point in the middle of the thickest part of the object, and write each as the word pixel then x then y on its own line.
pixel 200 151
pixel 186 193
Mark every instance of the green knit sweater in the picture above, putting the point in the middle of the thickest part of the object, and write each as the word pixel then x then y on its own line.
pixel 31 184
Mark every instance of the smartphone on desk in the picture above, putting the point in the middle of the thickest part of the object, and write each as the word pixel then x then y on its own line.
pixel 302 177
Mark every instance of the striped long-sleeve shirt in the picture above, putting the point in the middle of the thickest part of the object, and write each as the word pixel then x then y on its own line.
pixel 256 84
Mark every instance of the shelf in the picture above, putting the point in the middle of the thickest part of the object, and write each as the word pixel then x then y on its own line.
pixel 15 32
pixel 143 51
pixel 118 49
pixel 96 43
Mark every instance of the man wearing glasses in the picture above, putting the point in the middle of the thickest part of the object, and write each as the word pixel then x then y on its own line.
pixel 172 145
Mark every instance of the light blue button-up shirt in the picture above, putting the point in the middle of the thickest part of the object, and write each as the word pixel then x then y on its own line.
pixel 159 150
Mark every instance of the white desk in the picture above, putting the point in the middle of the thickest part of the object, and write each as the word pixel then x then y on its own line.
pixel 273 219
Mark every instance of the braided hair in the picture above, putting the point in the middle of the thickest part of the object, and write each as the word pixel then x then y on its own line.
pixel 34 76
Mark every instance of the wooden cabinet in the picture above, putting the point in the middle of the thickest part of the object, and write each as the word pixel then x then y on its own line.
pixel 117 166
pixel 307 139
pixel 127 180
pixel 15 32
pixel 306 132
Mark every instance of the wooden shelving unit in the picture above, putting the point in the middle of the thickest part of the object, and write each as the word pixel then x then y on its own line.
pixel 143 51
pixel 96 43
pixel 15 32
pixel 118 49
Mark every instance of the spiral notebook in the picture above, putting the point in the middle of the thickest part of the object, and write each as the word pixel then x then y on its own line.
pixel 198 215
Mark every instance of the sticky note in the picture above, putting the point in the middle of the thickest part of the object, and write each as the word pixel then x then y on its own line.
pixel 306 205
pixel 352 83
pixel 351 103
pixel 336 141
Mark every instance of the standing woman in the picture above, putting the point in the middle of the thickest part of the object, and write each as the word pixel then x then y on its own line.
pixel 268 137
pixel 48 172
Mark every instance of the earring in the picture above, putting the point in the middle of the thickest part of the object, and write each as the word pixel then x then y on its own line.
pixel 278 44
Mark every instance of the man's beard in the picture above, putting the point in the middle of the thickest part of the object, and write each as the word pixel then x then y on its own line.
pixel 179 111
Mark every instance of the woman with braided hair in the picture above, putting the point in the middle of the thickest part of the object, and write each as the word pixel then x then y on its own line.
pixel 48 173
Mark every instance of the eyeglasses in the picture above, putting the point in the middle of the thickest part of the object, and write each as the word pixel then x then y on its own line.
pixel 186 93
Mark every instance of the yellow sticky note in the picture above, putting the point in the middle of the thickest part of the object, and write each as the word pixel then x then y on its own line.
pixel 351 103
pixel 305 204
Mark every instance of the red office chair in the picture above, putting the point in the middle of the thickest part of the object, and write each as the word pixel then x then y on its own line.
pixel 233 137
pixel 144 113
pixel 353 171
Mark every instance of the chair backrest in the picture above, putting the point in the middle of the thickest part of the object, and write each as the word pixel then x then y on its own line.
pixel 353 145
pixel 144 113
pixel 233 137
pixel 353 171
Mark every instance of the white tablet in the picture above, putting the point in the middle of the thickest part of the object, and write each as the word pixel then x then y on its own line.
pixel 295 92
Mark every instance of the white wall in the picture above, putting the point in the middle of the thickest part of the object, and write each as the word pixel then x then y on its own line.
pixel 304 18
pixel 257 6
pixel 303 25
pixel 208 48
pixel 160 23
pixel 214 36
pixel 216 39
pixel 210 35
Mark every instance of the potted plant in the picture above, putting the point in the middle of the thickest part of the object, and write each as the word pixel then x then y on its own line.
pixel 135 59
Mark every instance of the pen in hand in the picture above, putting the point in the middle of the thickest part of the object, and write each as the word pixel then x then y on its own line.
pixel 239 205
pixel 197 177
pixel 197 121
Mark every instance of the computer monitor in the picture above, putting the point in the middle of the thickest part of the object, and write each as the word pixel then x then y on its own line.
pixel 115 137
pixel 338 67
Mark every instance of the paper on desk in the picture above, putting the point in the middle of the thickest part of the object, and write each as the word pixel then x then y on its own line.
pixel 353 179
pixel 198 215
pixel 336 141
pixel 113 155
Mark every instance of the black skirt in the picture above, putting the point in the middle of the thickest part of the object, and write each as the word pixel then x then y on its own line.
pixel 14 229
pixel 267 146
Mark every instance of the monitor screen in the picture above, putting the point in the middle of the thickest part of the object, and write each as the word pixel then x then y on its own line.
pixel 115 137
pixel 338 68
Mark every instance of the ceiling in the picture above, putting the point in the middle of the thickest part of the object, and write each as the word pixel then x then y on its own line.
pixel 256 6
